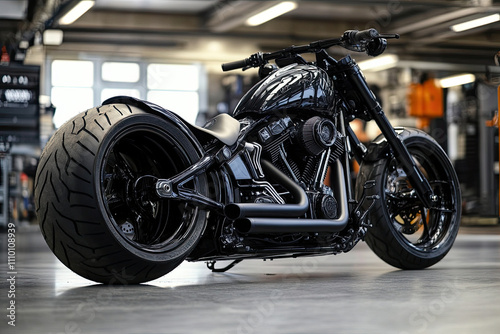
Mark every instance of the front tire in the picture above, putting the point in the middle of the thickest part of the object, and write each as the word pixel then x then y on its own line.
pixel 405 234
pixel 94 201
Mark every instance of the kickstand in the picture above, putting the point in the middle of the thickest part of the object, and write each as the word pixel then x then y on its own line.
pixel 211 266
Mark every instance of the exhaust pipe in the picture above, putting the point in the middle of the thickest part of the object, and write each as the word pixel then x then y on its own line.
pixel 294 225
pixel 240 210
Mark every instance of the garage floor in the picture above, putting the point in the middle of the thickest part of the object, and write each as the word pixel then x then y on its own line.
pixel 348 293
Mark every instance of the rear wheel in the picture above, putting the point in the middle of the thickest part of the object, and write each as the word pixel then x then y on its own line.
pixel 96 200
pixel 405 233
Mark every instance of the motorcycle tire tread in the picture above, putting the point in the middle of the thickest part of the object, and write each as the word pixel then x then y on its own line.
pixel 380 237
pixel 64 183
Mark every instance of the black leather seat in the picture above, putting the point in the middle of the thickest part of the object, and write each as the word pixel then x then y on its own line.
pixel 223 127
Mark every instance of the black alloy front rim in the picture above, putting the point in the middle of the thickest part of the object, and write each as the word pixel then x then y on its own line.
pixel 425 230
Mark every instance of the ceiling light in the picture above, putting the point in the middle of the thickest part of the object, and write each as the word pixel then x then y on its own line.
pixel 78 10
pixel 378 64
pixel 52 37
pixel 271 13
pixel 476 23
pixel 457 80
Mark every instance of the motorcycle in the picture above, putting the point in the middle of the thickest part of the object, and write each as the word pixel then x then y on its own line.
pixel 128 190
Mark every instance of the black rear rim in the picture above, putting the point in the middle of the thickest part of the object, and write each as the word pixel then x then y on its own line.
pixel 132 163
pixel 426 230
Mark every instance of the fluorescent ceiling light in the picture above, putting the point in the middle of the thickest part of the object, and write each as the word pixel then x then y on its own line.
pixel 74 14
pixel 476 23
pixel 457 80
pixel 378 64
pixel 52 37
pixel 271 13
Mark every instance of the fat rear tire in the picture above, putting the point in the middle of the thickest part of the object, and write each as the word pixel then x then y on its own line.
pixel 93 213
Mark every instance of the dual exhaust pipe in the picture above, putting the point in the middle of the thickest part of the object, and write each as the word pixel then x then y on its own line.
pixel 256 218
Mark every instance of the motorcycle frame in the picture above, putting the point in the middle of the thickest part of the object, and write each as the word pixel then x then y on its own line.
pixel 345 71
pixel 348 79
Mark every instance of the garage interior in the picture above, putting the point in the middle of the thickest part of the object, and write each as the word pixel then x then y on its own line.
pixel 51 70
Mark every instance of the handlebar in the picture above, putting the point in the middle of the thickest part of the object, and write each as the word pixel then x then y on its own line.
pixel 351 39
pixel 235 65
pixel 354 37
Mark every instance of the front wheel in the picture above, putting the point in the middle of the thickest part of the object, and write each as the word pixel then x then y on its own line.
pixel 405 233
pixel 95 196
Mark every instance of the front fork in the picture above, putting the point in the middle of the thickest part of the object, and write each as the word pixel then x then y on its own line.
pixel 417 179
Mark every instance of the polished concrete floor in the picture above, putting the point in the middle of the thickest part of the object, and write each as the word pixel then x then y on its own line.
pixel 349 293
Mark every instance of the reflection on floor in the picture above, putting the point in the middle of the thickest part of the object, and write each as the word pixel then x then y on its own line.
pixel 349 293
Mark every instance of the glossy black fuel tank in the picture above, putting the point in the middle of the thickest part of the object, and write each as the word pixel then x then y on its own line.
pixel 296 86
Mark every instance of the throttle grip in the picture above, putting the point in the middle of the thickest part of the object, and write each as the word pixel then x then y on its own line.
pixel 235 65
pixel 355 36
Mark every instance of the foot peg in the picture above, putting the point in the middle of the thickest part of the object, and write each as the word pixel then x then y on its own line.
pixel 360 217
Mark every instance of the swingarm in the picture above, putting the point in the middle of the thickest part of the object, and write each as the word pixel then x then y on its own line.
pixel 174 187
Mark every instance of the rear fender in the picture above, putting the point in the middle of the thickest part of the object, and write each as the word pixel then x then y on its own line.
pixel 197 137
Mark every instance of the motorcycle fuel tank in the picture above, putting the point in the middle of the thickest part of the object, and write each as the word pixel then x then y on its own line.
pixel 296 86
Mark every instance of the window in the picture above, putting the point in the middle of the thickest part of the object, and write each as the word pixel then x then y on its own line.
pixel 175 87
pixel 72 73
pixel 106 93
pixel 173 77
pixel 71 91
pixel 120 72
pixel 184 104
pixel 77 85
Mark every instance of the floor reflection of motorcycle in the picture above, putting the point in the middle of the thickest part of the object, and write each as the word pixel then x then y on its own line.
pixel 128 190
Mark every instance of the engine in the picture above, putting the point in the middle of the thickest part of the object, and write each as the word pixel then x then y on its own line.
pixel 300 148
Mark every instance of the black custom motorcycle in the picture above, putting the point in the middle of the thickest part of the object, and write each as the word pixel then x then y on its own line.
pixel 127 191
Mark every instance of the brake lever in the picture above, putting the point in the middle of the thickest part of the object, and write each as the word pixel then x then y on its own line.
pixel 360 47
pixel 388 36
